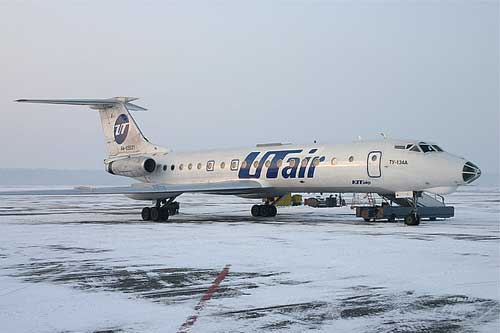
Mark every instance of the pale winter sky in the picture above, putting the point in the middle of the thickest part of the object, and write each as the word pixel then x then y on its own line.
pixel 219 74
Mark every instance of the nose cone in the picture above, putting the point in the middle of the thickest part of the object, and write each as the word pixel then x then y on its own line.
pixel 470 172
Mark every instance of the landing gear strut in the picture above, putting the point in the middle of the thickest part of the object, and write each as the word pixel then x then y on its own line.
pixel 161 211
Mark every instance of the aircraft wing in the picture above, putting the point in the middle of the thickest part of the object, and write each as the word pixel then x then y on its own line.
pixel 225 187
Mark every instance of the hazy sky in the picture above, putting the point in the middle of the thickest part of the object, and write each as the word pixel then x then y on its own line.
pixel 232 74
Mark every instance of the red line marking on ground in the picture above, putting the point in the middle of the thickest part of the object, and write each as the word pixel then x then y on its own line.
pixel 204 299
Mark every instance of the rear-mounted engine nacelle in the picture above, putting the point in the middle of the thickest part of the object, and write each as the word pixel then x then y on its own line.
pixel 132 166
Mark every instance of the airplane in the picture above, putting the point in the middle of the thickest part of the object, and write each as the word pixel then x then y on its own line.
pixel 267 171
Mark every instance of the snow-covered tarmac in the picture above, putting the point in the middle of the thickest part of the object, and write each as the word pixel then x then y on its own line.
pixel 84 264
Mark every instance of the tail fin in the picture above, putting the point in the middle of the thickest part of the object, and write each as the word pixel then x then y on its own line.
pixel 121 133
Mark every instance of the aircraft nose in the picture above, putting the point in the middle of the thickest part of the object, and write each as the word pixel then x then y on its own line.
pixel 470 172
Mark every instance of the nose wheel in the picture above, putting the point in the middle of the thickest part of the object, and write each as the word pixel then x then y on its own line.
pixel 161 212
pixel 413 218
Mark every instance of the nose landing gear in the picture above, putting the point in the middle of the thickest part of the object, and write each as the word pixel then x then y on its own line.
pixel 413 218
pixel 162 211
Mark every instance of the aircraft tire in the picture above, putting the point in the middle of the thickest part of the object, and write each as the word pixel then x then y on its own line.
pixel 173 209
pixel 264 211
pixel 272 211
pixel 164 213
pixel 146 214
pixel 255 210
pixel 155 214
pixel 412 219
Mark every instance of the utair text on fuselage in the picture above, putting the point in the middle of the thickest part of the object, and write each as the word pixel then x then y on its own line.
pixel 274 160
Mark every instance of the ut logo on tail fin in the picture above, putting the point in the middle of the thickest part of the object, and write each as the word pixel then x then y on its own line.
pixel 121 128
pixel 121 133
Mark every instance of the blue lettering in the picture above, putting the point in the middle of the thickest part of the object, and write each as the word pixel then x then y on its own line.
pixel 310 172
pixel 291 170
pixel 272 171
pixel 274 160
pixel 303 166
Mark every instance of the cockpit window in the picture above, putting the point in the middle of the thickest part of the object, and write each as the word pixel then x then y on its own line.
pixel 425 147
pixel 419 147
pixel 437 148
pixel 415 148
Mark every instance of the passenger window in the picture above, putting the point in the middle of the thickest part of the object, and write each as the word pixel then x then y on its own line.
pixel 304 163
pixel 210 165
pixel 279 163
pixel 255 164
pixel 351 158
pixel 222 165
pixel 244 164
pixel 190 166
pixel 181 166
pixel 172 167
pixel 374 158
pixel 316 162
pixel 164 168
pixel 292 163
pixel 268 164
pixel 198 166
pixel 235 164
pixel 334 160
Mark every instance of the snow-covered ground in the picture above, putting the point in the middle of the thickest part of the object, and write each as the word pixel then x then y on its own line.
pixel 83 264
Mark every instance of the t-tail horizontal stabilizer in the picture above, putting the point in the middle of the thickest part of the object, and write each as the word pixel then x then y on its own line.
pixel 93 103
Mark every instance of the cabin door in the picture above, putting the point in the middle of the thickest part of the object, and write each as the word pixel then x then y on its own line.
pixel 374 164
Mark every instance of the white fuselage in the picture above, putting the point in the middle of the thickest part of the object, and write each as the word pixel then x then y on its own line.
pixel 393 168
pixel 266 171
pixel 362 167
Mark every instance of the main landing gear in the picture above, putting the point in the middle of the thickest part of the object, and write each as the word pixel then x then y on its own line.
pixel 266 210
pixel 161 211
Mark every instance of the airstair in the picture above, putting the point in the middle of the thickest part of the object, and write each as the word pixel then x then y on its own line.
pixel 429 206
pixel 425 200
pixel 363 200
